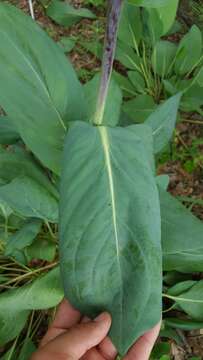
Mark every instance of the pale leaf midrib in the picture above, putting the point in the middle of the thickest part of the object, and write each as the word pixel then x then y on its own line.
pixel 106 149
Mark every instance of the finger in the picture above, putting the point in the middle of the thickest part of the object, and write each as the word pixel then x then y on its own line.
pixel 81 338
pixel 93 354
pixel 142 349
pixel 65 318
pixel 107 349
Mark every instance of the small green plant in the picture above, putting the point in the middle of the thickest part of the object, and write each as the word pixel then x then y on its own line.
pixel 156 67
pixel 116 220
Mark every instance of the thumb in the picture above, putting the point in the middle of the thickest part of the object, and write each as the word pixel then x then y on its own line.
pixel 78 340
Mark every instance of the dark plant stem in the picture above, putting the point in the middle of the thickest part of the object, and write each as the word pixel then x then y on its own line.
pixel 108 57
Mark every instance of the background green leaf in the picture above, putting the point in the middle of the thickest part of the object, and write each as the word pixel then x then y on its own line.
pixel 39 89
pixel 162 122
pixel 15 304
pixel 139 108
pixel 65 14
pixel 35 202
pixel 8 133
pixel 189 51
pixel 182 250
pixel 23 237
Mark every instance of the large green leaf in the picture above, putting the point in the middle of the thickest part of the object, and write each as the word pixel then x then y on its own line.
pixel 15 305
pixel 17 164
pixel 110 228
pixel 139 108
pixel 130 27
pixel 162 122
pixel 189 51
pixel 42 248
pixel 39 89
pixel 65 14
pixel 183 324
pixel 193 99
pixel 23 237
pixel 163 56
pixel 138 81
pixel 182 236
pixel 191 301
pixel 8 133
pixel 127 56
pixel 113 103
pixel 150 3
pixel 30 199
pixel 164 14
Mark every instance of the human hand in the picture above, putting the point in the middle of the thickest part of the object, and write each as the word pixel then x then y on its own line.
pixel 72 337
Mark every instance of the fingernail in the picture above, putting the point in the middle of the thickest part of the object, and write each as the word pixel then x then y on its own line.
pixel 101 317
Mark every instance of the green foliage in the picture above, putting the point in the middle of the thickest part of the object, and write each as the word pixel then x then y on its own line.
pixel 179 252
pixel 35 90
pixel 23 238
pixel 8 133
pixel 162 121
pixel 110 223
pixel 64 14
pixel 111 232
pixel 15 305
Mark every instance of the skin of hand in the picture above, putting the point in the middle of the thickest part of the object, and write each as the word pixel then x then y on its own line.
pixel 72 337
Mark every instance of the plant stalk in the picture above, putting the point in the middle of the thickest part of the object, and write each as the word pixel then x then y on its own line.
pixel 108 57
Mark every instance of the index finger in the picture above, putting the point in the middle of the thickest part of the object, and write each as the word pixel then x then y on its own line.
pixel 142 349
pixel 66 317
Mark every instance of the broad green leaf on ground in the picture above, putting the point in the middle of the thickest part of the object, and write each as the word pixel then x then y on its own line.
pixel 150 3
pixel 127 56
pixel 113 103
pixel 181 287
pixel 65 14
pixel 126 86
pixel 39 89
pixel 189 51
pixel 17 164
pixel 182 236
pixel 23 237
pixel 153 28
pixel 30 199
pixel 110 250
pixel 66 44
pixel 43 249
pixel 15 304
pixel 8 133
pixel 162 122
pixel 192 99
pixel 183 324
pixel 137 80
pixel 163 55
pixel 191 301
pixel 165 15
pixel 139 108
pixel 130 27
